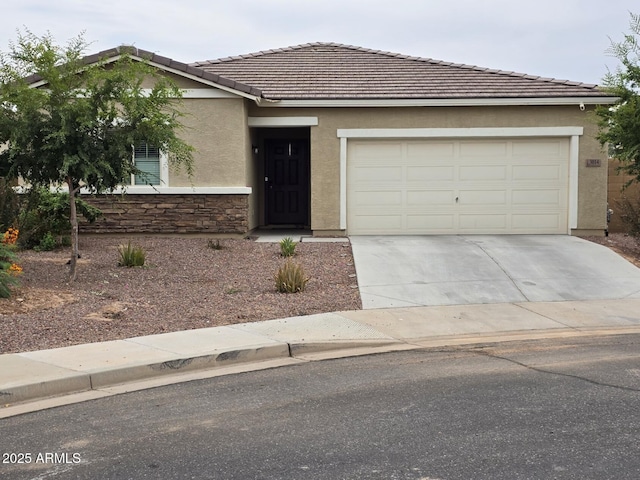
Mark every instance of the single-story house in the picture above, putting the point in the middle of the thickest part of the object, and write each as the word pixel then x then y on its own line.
pixel 347 140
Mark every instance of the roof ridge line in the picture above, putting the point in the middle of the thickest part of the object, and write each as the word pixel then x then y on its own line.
pixel 401 56
pixel 470 67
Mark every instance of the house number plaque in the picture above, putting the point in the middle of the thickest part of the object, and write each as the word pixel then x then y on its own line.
pixel 593 162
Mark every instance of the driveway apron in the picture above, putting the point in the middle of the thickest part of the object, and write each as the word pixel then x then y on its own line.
pixel 402 271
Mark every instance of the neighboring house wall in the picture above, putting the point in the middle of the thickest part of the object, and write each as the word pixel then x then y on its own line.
pixel 325 147
pixel 616 194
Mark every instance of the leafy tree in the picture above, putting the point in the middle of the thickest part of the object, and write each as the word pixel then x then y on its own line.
pixel 620 124
pixel 65 120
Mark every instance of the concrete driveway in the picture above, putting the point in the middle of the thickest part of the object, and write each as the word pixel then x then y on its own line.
pixel 402 271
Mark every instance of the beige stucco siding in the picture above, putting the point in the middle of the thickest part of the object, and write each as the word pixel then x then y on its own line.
pixel 325 147
pixel 217 129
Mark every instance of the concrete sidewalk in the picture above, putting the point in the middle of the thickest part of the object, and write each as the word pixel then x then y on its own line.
pixel 97 367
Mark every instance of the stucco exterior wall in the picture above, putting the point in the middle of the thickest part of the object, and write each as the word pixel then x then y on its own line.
pixel 217 129
pixel 325 147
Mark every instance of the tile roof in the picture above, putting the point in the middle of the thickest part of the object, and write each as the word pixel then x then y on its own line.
pixel 335 71
pixel 164 62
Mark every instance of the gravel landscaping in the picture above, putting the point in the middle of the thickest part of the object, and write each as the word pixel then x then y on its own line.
pixel 185 285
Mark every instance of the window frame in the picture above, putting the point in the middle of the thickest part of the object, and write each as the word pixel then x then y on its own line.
pixel 163 169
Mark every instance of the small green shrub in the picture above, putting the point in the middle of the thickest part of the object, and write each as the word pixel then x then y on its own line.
pixel 8 269
pixel 131 255
pixel 214 244
pixel 291 278
pixel 287 247
pixel 47 243
pixel 629 213
pixel 43 211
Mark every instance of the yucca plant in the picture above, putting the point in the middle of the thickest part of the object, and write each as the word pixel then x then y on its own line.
pixel 291 278
pixel 131 255
pixel 287 247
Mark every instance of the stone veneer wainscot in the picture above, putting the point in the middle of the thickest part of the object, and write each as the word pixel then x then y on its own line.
pixel 158 213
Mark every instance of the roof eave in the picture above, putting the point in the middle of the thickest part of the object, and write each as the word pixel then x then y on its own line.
pixel 441 102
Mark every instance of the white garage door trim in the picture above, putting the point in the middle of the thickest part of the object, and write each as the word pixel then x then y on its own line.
pixel 573 133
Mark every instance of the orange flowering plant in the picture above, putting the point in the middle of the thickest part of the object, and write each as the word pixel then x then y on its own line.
pixel 10 237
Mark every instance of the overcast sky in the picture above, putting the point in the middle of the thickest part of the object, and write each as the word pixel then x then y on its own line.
pixel 564 39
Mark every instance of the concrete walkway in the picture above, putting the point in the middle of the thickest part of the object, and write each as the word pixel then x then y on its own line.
pixel 100 367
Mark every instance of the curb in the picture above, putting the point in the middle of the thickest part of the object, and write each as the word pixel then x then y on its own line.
pixel 71 382
pixel 103 368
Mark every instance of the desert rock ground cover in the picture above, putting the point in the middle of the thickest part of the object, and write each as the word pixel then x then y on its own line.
pixel 184 285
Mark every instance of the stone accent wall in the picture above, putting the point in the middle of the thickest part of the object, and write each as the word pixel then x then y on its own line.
pixel 157 213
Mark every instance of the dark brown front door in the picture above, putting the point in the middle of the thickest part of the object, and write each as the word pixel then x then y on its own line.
pixel 287 182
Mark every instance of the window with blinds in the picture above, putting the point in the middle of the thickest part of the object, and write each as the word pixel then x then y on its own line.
pixel 147 159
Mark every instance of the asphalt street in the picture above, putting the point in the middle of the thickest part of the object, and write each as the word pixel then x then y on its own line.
pixel 562 409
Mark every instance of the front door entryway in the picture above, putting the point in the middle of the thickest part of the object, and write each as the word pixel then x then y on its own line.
pixel 287 182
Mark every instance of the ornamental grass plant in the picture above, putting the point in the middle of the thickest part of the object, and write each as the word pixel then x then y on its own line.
pixel 291 278
pixel 131 255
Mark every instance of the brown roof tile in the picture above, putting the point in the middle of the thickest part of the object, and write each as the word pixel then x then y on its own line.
pixel 165 62
pixel 336 71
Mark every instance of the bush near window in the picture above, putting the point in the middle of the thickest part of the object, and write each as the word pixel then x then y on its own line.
pixel 44 212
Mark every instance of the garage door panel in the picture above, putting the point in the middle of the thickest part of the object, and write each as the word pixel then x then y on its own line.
pixel 482 197
pixel 441 223
pixel 369 224
pixel 483 222
pixel 540 221
pixel 378 198
pixel 482 172
pixel 483 149
pixel 434 152
pixel 366 150
pixel 374 173
pixel 537 172
pixel 430 197
pixel 457 186
pixel 537 149
pixel 430 173
pixel 537 197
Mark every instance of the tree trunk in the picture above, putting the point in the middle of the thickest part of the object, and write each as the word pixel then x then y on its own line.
pixel 73 219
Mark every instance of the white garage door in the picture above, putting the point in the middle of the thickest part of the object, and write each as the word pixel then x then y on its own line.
pixel 461 186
